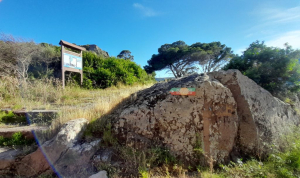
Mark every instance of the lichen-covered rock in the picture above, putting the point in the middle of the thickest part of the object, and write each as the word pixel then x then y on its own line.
pixel 64 153
pixel 263 119
pixel 155 117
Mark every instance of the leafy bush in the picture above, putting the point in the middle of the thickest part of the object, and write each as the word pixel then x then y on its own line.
pixel 16 139
pixel 251 168
pixel 287 163
pixel 99 72
pixel 284 163
pixel 275 69
pixel 10 117
pixel 103 73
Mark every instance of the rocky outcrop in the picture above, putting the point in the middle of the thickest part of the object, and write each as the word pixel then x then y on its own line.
pixel 158 118
pixel 230 113
pixel 96 49
pixel 263 119
pixel 7 157
pixel 64 154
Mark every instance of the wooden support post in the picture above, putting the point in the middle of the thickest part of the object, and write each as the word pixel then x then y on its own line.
pixel 62 66
pixel 81 69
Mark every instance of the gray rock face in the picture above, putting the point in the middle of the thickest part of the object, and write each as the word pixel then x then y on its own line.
pixel 66 155
pixel 96 49
pixel 263 119
pixel 7 157
pixel 229 112
pixel 101 174
pixel 158 118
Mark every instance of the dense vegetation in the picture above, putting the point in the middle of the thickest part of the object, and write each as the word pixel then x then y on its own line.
pixel 275 69
pixel 107 72
pixel 27 60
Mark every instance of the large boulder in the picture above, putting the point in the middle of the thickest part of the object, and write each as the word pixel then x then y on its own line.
pixel 154 117
pixel 232 115
pixel 63 154
pixel 263 119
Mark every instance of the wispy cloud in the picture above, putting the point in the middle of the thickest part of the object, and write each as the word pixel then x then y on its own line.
pixel 277 15
pixel 146 11
pixel 291 37
pixel 272 22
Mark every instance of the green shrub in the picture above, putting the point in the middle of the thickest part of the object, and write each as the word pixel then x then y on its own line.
pixel 16 139
pixel 163 156
pixel 275 69
pixel 287 163
pixel 10 117
pixel 108 137
pixel 103 73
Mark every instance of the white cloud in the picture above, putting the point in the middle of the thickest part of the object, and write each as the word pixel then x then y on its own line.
pixel 146 11
pixel 276 15
pixel 291 37
pixel 272 19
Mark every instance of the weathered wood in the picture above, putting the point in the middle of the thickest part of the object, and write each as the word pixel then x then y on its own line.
pixel 62 66
pixel 62 42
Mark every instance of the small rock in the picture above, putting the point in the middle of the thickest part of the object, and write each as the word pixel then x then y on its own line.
pixel 101 174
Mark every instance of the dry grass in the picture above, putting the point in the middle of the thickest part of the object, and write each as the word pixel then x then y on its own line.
pixel 102 102
pixel 72 102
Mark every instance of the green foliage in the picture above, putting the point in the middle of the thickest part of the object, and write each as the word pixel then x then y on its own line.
pixel 280 163
pixel 10 117
pixel 142 160
pixel 181 59
pixel 103 73
pixel 275 69
pixel 144 173
pixel 251 168
pixel 87 83
pixel 108 137
pixel 16 139
pixel 99 72
pixel 126 54
pixel 288 100
pixel 163 156
pixel 287 163
pixel 198 144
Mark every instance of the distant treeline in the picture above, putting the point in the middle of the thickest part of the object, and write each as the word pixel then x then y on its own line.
pixel 275 69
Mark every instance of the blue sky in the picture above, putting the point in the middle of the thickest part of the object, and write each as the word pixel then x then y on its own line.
pixel 143 26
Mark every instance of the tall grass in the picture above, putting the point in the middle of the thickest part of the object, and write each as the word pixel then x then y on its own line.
pixel 72 102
